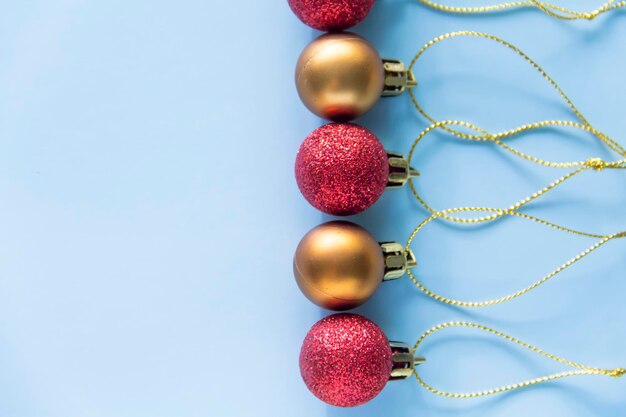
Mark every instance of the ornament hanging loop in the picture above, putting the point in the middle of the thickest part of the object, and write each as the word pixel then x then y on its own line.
pixel 481 135
pixel 496 214
pixel 550 9
pixel 577 371
pixel 586 125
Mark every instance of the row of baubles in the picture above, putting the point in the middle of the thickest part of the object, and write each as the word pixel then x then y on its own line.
pixel 342 168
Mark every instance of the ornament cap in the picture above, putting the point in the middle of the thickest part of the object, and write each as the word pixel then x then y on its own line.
pixel 397 260
pixel 397 78
pixel 399 170
pixel 403 361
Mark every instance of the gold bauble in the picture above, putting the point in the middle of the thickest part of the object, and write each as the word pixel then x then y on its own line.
pixel 340 76
pixel 338 265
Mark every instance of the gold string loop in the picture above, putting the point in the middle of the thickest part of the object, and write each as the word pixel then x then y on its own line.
pixel 550 9
pixel 481 135
pixel 493 214
pixel 584 123
pixel 577 371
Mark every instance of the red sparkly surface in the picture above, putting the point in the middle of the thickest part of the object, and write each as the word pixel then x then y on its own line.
pixel 342 169
pixel 331 15
pixel 345 360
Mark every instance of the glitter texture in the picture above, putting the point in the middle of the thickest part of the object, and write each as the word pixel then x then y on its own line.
pixel 342 169
pixel 331 15
pixel 345 360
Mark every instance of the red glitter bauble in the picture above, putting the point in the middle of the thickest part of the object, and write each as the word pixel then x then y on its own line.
pixel 342 169
pixel 331 15
pixel 345 360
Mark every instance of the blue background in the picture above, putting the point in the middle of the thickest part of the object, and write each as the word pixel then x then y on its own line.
pixel 149 211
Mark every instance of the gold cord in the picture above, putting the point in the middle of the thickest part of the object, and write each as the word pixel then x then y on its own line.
pixel 482 135
pixel 452 126
pixel 578 368
pixel 611 143
pixel 495 214
pixel 550 9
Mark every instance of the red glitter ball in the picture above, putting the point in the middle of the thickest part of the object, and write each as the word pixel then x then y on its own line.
pixel 342 169
pixel 331 15
pixel 345 360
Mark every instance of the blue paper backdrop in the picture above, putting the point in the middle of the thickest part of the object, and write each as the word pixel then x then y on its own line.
pixel 149 211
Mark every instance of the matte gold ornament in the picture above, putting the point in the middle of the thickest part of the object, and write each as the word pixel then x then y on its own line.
pixel 339 265
pixel 340 76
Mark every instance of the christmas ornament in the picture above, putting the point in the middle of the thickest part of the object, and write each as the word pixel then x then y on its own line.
pixel 346 360
pixel 340 76
pixel 339 265
pixel 331 15
pixel 342 169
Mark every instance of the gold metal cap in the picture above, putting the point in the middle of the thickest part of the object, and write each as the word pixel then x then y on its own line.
pixel 403 361
pixel 397 78
pixel 399 170
pixel 397 260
